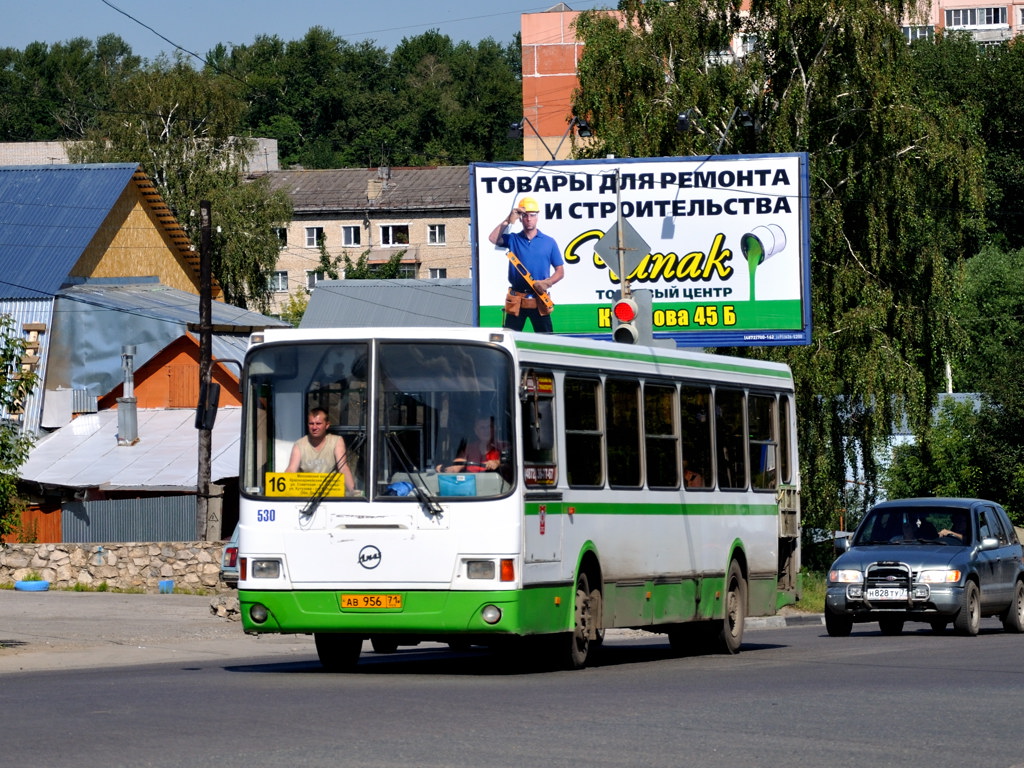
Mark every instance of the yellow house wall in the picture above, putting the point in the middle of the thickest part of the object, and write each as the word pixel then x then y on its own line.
pixel 131 243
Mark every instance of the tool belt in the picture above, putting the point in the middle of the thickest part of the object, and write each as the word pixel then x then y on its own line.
pixel 517 300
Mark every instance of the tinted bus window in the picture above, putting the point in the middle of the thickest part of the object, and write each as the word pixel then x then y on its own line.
pixel 583 436
pixel 695 427
pixel 661 437
pixel 622 415
pixel 730 439
pixel 762 428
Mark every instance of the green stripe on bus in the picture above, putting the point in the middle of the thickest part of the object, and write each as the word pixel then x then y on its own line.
pixel 635 356
pixel 611 508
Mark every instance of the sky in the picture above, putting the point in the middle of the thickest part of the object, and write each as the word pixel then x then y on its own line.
pixel 198 25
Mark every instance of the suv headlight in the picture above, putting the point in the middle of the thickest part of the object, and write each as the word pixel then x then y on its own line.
pixel 939 576
pixel 845 576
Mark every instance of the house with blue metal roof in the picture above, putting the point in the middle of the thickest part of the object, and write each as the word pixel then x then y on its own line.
pixel 94 263
pixel 62 225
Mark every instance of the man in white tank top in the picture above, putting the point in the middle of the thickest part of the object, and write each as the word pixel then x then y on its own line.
pixel 320 451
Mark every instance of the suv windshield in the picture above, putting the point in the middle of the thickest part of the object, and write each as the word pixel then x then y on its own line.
pixel 896 525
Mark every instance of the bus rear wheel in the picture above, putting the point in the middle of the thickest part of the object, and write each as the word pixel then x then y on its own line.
pixel 730 636
pixel 583 623
pixel 338 652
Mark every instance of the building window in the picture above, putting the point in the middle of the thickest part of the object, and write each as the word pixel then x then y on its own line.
pixel 394 235
pixel 405 271
pixel 438 273
pixel 282 235
pixel 314 236
pixel 351 235
pixel 279 281
pixel 918 33
pixel 435 234
pixel 975 17
pixel 312 278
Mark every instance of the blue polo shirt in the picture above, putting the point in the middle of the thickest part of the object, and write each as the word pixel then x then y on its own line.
pixel 540 256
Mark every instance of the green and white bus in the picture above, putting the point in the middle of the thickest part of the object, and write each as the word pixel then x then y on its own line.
pixel 621 486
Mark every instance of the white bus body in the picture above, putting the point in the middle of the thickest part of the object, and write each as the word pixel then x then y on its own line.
pixel 622 487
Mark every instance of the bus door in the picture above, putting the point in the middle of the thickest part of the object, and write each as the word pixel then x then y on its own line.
pixel 543 512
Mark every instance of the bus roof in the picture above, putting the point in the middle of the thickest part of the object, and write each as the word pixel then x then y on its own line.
pixel 551 349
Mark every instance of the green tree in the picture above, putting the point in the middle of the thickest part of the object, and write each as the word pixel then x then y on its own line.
pixel 896 181
pixel 15 386
pixel 182 126
pixel 54 92
pixel 294 307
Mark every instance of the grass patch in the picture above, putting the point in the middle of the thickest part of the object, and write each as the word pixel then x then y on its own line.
pixel 812 599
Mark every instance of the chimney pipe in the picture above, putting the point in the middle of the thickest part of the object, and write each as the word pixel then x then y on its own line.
pixel 127 413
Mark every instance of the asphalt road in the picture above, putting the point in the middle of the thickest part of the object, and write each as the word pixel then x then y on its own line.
pixel 110 680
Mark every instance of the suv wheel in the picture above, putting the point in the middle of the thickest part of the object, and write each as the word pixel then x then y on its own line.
pixel 1013 621
pixel 968 620
pixel 837 625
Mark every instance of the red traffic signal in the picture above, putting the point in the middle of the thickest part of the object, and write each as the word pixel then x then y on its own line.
pixel 625 312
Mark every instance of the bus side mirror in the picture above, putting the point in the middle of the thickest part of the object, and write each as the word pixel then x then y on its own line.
pixel 206 410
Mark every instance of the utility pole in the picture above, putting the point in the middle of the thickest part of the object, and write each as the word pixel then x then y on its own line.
pixel 204 525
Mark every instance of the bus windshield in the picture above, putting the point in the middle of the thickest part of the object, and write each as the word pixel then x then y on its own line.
pixel 441 416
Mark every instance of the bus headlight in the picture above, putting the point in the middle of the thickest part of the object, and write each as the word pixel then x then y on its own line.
pixel 265 569
pixel 480 569
pixel 491 614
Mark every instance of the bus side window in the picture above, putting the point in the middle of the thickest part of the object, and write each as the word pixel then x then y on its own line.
pixel 584 440
pixel 695 425
pixel 730 439
pixel 763 428
pixel 785 440
pixel 622 415
pixel 661 436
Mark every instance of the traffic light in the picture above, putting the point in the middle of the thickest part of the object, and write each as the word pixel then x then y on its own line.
pixel 624 318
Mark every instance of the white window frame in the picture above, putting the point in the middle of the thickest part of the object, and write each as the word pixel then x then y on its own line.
pixel 313 276
pixel 436 234
pixel 351 235
pixel 438 273
pixel 314 236
pixel 388 233
pixel 279 281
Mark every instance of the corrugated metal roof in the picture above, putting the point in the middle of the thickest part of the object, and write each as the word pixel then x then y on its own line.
pixel 85 453
pixel 147 297
pixel 354 189
pixel 32 311
pixel 390 303
pixel 48 215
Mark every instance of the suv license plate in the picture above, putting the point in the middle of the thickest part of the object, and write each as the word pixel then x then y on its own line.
pixel 886 593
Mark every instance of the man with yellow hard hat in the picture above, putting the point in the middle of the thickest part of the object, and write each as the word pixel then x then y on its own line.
pixel 542 259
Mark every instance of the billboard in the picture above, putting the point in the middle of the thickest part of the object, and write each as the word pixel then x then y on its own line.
pixel 721 243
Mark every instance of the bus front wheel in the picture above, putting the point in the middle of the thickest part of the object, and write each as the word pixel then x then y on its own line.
pixel 338 652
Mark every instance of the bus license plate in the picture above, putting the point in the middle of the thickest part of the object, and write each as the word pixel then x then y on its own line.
pixel 886 593
pixel 359 602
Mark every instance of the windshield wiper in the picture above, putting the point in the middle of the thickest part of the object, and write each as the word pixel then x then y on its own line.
pixel 325 485
pixel 418 483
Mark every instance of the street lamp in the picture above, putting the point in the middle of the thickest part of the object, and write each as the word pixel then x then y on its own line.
pixel 583 130
pixel 693 120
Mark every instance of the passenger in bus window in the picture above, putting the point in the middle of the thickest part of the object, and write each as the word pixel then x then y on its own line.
pixel 481 455
pixel 320 451
pixel 690 478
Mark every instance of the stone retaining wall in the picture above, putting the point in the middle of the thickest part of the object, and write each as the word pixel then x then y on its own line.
pixel 194 566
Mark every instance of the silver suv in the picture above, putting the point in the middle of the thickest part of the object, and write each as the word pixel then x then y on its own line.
pixel 939 561
pixel 229 561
